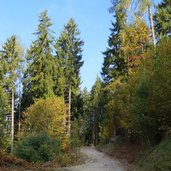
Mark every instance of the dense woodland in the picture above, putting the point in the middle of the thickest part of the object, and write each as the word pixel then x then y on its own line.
pixel 44 112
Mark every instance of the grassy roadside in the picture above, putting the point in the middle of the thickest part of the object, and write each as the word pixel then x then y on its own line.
pixel 137 158
pixel 9 163
pixel 157 158
pixel 12 163
pixel 127 153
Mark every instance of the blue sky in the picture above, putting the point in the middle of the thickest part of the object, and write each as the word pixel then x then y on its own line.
pixel 20 17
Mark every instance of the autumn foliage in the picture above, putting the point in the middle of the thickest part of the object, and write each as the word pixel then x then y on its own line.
pixel 46 115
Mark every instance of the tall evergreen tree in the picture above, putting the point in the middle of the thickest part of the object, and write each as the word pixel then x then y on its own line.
pixel 85 94
pixel 69 57
pixel 38 78
pixel 114 62
pixel 69 61
pixel 96 109
pixel 162 18
pixel 11 58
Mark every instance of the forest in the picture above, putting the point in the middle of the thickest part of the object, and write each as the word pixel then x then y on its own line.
pixel 44 114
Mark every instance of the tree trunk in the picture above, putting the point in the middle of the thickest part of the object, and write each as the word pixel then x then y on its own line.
pixel 151 24
pixel 69 111
pixel 12 121
pixel 19 119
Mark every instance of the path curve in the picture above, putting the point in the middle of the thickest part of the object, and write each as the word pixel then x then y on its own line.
pixel 97 161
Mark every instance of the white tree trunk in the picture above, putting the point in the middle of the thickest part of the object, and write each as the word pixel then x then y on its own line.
pixel 12 121
pixel 19 122
pixel 69 111
pixel 151 24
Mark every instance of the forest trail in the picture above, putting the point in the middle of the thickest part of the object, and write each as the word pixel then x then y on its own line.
pixel 97 161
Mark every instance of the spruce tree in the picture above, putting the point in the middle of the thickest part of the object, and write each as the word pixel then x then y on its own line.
pixel 96 109
pixel 114 62
pixel 11 58
pixel 38 78
pixel 69 57
pixel 162 19
pixel 69 61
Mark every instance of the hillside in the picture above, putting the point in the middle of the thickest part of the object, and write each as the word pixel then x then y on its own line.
pixel 157 159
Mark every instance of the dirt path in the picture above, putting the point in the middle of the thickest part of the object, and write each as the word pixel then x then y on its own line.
pixel 97 161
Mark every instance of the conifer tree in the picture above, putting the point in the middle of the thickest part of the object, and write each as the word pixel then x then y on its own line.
pixel 162 18
pixel 69 61
pixel 69 56
pixel 38 78
pixel 114 62
pixel 11 58
pixel 96 109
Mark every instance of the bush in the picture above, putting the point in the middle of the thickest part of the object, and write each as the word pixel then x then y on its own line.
pixel 67 159
pixel 47 116
pixel 151 94
pixel 37 147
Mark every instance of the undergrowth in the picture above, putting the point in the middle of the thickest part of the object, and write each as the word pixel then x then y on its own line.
pixel 157 158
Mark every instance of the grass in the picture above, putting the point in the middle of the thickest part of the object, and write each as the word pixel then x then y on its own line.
pixel 157 158
pixel 11 163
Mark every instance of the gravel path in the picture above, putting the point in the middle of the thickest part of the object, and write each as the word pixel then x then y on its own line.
pixel 97 161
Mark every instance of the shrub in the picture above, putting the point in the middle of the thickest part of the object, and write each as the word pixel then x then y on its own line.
pixel 37 147
pixel 151 95
pixel 46 116
pixel 156 159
